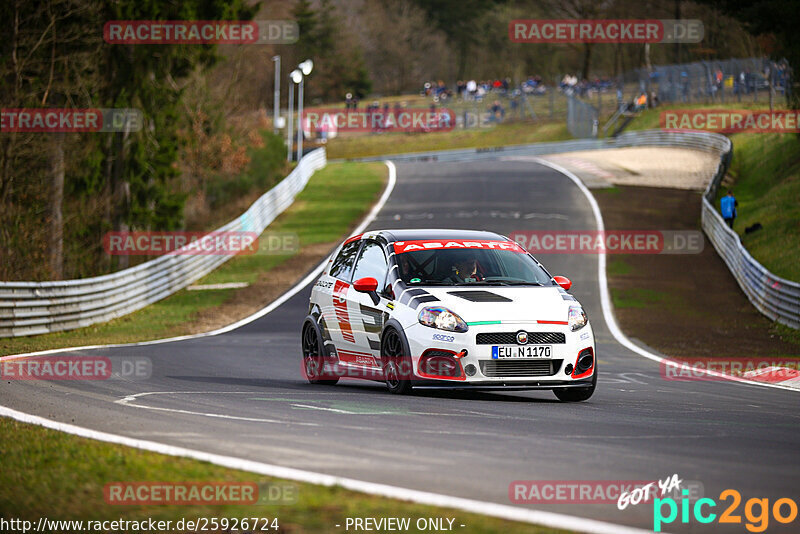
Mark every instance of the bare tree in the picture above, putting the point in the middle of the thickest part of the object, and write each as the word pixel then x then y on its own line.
pixel 582 10
pixel 402 47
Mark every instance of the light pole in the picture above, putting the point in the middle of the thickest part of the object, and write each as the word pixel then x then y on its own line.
pixel 276 96
pixel 292 79
pixel 305 69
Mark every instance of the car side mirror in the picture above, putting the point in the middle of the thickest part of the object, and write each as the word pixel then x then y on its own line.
pixel 563 281
pixel 369 286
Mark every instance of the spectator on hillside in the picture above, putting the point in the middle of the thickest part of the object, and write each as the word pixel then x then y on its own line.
pixel 441 90
pixel 350 102
pixel 640 102
pixel 472 88
pixel 497 111
pixel 385 117
pixel 728 206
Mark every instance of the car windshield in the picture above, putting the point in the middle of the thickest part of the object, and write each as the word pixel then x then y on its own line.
pixel 470 267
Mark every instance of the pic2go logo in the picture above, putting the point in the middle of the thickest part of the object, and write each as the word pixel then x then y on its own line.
pixel 757 521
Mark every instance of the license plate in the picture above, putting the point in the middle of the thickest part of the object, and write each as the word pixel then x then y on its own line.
pixel 524 351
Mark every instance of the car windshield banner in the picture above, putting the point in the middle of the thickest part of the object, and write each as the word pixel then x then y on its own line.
pixel 444 244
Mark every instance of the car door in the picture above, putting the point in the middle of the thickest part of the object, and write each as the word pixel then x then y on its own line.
pixel 336 313
pixel 368 316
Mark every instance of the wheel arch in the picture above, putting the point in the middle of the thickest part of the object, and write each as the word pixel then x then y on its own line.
pixel 394 324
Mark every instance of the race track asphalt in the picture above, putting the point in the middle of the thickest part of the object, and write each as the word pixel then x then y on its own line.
pixel 242 394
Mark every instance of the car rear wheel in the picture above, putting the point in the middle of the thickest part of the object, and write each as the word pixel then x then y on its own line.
pixel 577 394
pixel 313 357
pixel 396 363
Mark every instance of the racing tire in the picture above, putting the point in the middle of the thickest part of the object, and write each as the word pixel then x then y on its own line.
pixel 396 362
pixel 314 356
pixel 577 394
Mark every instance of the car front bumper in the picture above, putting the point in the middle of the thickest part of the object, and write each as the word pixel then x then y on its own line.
pixel 479 369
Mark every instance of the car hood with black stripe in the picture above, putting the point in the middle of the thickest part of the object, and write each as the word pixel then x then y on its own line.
pixel 490 303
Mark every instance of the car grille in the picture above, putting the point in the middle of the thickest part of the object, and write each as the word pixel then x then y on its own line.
pixel 510 338
pixel 514 368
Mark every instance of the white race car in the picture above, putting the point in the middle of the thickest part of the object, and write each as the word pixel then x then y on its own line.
pixel 446 308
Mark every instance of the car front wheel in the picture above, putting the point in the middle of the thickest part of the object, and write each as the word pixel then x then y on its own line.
pixel 396 363
pixel 313 357
pixel 577 394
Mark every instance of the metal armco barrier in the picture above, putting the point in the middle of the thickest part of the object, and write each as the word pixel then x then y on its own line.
pixel 775 297
pixel 28 308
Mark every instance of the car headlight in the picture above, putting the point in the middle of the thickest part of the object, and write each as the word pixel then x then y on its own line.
pixel 442 318
pixel 576 318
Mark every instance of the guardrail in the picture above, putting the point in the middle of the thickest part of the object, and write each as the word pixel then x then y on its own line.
pixel 28 308
pixel 775 297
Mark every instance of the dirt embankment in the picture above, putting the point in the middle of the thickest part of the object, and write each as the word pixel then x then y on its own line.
pixel 683 305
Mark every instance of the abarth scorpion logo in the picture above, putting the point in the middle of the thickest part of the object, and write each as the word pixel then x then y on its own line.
pixel 522 337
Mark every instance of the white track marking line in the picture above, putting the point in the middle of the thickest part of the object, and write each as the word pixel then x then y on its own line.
pixel 605 296
pixel 126 401
pixel 502 511
pixel 337 410
pixel 130 399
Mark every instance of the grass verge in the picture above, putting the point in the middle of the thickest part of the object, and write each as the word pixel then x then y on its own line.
pixel 335 200
pixel 766 180
pixel 636 297
pixel 61 477
pixel 512 133
pixel 650 119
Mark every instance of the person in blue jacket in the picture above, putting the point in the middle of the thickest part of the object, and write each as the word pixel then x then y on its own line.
pixel 727 205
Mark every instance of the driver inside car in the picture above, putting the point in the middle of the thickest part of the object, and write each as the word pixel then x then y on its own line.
pixel 465 268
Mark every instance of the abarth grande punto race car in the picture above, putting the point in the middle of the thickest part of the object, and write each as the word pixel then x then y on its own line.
pixel 446 308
